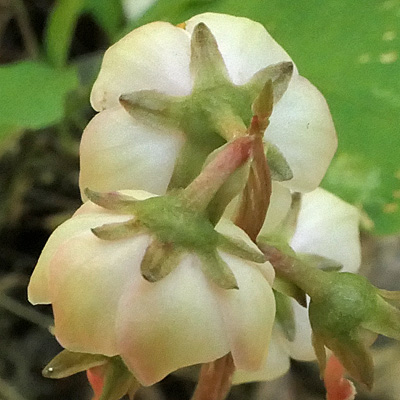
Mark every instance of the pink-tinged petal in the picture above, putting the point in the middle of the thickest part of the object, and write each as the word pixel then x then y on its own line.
pixel 301 348
pixel 277 364
pixel 38 289
pixel 170 324
pixel 154 56
pixel 245 45
pixel 118 153
pixel 95 377
pixel 87 277
pixel 302 128
pixel 337 386
pixel 279 205
pixel 329 227
pixel 248 314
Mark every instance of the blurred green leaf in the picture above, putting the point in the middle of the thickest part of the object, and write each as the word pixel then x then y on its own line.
pixel 8 135
pixel 33 95
pixel 108 14
pixel 350 50
pixel 64 17
pixel 60 29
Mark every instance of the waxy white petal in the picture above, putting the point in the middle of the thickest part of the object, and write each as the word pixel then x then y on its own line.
pixel 329 227
pixel 248 313
pixel 301 348
pixel 245 45
pixel 38 289
pixel 280 202
pixel 277 363
pixel 154 56
pixel 302 128
pixel 170 324
pixel 87 277
pixel 118 153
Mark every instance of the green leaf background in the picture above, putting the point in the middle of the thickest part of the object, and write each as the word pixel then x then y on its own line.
pixel 350 50
pixel 33 95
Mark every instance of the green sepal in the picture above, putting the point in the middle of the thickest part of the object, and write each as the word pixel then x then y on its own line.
pixel 206 63
pixel 285 315
pixel 385 321
pixel 171 221
pixel 239 248
pixel 391 295
pixel 354 356
pixel 118 381
pixel 340 312
pixel 320 262
pixel 113 201
pixel 289 224
pixel 217 270
pixel 264 102
pixel 118 230
pixel 153 108
pixel 159 260
pixel 279 167
pixel 342 303
pixel 352 353
pixel 278 241
pixel 279 74
pixel 289 289
pixel 68 363
pixel 320 352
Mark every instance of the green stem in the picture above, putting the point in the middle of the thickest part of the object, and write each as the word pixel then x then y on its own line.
pixel 307 278
pixel 202 190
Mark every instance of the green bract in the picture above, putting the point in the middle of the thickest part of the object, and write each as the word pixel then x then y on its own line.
pixel 177 229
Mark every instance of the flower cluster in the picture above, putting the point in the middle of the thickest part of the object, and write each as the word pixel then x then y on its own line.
pixel 161 266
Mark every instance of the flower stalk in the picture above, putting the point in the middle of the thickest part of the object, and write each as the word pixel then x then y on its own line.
pixel 201 191
pixel 215 379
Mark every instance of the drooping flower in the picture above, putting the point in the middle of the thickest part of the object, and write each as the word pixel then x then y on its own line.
pixel 160 69
pixel 102 304
pixel 327 227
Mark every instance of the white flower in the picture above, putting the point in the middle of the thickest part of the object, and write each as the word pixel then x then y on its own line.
pixel 103 305
pixel 120 152
pixel 329 227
